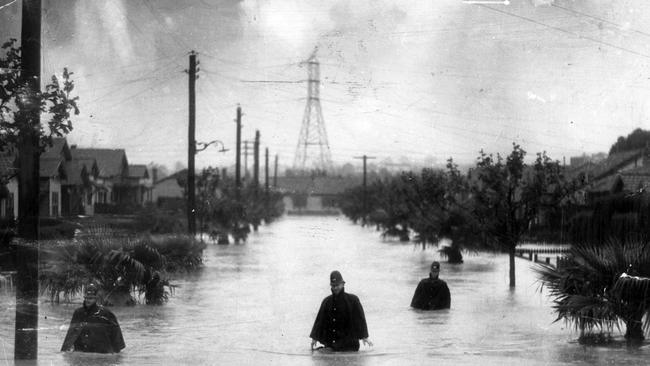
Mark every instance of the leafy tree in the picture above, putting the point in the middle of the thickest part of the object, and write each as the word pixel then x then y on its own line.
pixel 638 139
pixel 222 211
pixel 601 286
pixel 55 102
pixel 426 203
pixel 29 119
pixel 507 195
pixel 352 205
pixel 388 196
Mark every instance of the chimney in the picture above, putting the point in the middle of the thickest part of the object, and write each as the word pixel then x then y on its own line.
pixel 154 174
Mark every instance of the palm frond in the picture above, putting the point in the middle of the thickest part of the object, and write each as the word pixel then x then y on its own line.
pixel 593 291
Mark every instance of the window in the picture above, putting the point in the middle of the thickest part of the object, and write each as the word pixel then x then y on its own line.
pixel 55 204
pixel 101 196
pixel 9 205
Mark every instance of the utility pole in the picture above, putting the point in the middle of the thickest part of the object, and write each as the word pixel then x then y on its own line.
pixel 256 168
pixel 238 153
pixel 191 148
pixel 266 182
pixel 266 172
pixel 26 326
pixel 275 173
pixel 246 153
pixel 365 183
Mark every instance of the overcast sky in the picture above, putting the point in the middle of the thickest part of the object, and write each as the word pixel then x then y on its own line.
pixel 423 79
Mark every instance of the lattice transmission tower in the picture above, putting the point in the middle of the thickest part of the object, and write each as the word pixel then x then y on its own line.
pixel 313 150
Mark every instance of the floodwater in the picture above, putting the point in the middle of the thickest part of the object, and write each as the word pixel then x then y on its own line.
pixel 254 304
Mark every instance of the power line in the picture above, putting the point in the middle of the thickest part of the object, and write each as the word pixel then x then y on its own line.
pixel 121 84
pixel 7 4
pixel 565 31
pixel 597 18
pixel 138 93
pixel 274 81
pixel 103 71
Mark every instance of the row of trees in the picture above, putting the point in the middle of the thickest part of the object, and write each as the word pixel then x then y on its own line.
pixel 225 210
pixel 491 207
pixel 602 284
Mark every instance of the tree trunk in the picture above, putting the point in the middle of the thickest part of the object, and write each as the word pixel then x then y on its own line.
pixel 634 328
pixel 511 253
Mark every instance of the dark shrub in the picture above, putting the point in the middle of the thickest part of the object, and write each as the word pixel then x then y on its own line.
pixel 53 228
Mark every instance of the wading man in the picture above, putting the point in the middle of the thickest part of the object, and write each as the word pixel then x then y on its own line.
pixel 432 293
pixel 340 322
pixel 93 328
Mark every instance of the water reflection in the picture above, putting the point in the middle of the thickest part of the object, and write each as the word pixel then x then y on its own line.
pixel 255 304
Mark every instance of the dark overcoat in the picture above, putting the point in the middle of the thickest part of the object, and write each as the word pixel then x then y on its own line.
pixel 93 329
pixel 431 294
pixel 340 322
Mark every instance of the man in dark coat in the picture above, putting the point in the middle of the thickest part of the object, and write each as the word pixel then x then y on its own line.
pixel 340 322
pixel 93 328
pixel 432 293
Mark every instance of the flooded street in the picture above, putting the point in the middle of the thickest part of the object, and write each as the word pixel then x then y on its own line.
pixel 255 304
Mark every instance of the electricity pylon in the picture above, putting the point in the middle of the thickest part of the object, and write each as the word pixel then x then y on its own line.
pixel 313 151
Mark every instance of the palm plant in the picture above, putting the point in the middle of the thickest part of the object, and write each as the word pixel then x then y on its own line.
pixel 180 252
pixel 120 266
pixel 603 287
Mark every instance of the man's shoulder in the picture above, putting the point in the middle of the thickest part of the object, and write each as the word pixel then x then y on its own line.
pixel 327 298
pixel 433 281
pixel 352 297
pixel 105 311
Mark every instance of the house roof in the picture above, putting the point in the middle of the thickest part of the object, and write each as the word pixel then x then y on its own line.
pixel 179 174
pixel 76 172
pixel 138 171
pixel 88 163
pixel 59 149
pixel 643 170
pixel 635 182
pixel 614 162
pixel 604 184
pixel 49 168
pixel 637 178
pixel 109 161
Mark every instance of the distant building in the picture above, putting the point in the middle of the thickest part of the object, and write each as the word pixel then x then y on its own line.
pixel 314 194
pixel 111 186
pixel 577 161
pixel 140 185
pixel 52 173
pixel 169 192
pixel 8 186
pixel 626 171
